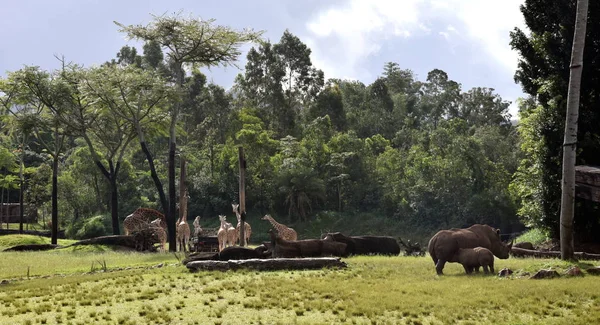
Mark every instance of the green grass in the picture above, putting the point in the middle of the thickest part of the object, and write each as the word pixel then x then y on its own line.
pixel 534 236
pixel 26 226
pixel 14 240
pixel 372 290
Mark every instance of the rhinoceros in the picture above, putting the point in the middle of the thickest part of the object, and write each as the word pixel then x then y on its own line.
pixel 443 246
pixel 472 258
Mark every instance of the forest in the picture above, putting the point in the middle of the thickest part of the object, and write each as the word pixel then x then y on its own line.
pixel 86 146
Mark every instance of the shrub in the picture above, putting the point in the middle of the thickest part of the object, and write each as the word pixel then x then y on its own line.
pixel 93 227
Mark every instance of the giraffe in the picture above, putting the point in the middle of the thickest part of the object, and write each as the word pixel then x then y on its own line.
pixel 283 231
pixel 140 218
pixel 160 232
pixel 222 233
pixel 197 228
pixel 183 233
pixel 183 228
pixel 232 234
pixel 247 228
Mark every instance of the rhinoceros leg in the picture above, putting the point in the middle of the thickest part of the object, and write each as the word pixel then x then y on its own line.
pixel 485 269
pixel 439 266
pixel 492 268
pixel 476 268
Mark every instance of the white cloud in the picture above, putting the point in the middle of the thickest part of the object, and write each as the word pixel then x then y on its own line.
pixel 355 31
pixel 343 37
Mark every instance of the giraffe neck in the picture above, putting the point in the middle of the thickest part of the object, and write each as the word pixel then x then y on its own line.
pixel 277 225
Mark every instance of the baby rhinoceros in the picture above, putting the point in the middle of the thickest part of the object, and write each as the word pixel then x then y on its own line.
pixel 472 258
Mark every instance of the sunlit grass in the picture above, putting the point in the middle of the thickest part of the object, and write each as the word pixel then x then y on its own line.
pixel 534 236
pixel 372 290
pixel 14 240
pixel 26 226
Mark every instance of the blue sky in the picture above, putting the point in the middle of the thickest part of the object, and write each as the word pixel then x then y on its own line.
pixel 349 38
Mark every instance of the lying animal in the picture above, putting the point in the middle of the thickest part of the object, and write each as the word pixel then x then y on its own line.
pixel 366 245
pixel 305 248
pixel 472 258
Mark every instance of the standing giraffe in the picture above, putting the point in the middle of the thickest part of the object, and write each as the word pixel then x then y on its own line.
pixel 222 233
pixel 141 218
pixel 247 228
pixel 197 228
pixel 283 231
pixel 183 228
pixel 160 232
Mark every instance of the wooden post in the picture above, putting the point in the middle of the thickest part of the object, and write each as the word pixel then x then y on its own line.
pixel 181 189
pixel 242 162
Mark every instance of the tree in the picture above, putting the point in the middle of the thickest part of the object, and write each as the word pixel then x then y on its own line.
pixel 136 96
pixel 543 72
pixel 188 41
pixel 567 205
pixel 45 92
pixel 329 102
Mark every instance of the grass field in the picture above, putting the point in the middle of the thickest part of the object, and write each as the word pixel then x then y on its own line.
pixel 372 290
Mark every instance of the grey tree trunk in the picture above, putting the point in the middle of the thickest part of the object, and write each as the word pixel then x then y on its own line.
pixel 567 207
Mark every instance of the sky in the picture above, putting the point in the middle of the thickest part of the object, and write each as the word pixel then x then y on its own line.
pixel 349 39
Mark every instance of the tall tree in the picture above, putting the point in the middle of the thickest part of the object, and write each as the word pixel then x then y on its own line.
pixel 543 72
pixel 136 96
pixel 567 206
pixel 40 87
pixel 188 41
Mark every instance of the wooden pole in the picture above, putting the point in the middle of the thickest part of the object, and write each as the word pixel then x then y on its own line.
pixel 567 203
pixel 181 189
pixel 242 162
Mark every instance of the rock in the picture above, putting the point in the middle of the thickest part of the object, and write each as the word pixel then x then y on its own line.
pixel 574 271
pixel 159 265
pixel 524 245
pixel 4 282
pixel 545 274
pixel 505 272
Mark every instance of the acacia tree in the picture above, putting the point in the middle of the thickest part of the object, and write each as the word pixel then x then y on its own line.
pixel 567 206
pixel 43 91
pixel 136 96
pixel 24 119
pixel 188 41
pixel 83 116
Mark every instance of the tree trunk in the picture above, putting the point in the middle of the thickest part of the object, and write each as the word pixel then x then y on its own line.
pixel 242 162
pixel 567 208
pixel 172 212
pixel 22 187
pixel 114 201
pixel 159 187
pixel 54 229
pixel 1 207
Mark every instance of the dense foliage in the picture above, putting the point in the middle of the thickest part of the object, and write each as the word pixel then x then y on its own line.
pixel 544 74
pixel 425 153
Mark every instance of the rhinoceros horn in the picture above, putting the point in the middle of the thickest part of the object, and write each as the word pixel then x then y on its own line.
pixel 511 243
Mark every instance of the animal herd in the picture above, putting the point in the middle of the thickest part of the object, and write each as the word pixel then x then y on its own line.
pixel 473 247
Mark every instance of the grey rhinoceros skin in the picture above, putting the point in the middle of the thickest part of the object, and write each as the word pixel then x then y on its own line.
pixel 472 258
pixel 444 245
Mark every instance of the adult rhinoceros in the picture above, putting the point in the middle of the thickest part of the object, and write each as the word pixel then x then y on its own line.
pixel 444 245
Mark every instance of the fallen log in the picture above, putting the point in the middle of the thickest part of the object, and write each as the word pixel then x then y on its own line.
pixel 31 247
pixel 521 252
pixel 272 264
